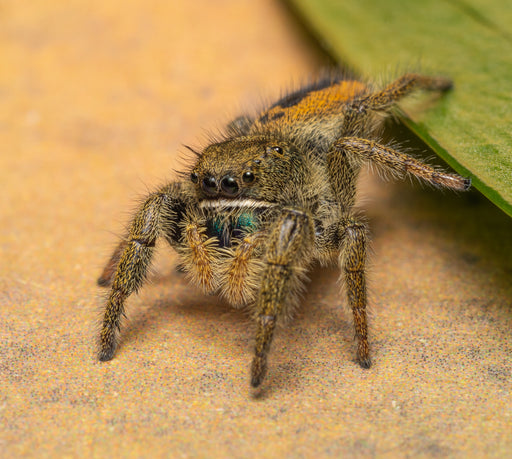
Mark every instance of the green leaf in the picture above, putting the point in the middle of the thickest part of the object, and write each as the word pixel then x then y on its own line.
pixel 469 41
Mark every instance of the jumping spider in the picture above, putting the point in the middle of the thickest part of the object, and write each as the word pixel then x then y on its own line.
pixel 260 205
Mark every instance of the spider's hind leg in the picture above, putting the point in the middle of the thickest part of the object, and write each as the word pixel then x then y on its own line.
pixel 356 116
pixel 396 90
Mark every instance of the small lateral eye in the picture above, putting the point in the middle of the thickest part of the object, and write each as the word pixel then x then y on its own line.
pixel 278 150
pixel 248 177
pixel 194 177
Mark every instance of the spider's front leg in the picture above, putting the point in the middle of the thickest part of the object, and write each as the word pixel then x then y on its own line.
pixel 158 216
pixel 285 257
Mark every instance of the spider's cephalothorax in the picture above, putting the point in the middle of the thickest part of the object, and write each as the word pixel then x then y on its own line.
pixel 258 207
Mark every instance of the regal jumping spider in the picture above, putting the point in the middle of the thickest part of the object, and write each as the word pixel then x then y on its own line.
pixel 260 205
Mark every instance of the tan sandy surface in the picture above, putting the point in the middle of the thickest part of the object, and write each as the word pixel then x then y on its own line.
pixel 96 100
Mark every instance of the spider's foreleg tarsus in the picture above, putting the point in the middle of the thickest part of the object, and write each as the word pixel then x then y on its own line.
pixel 286 255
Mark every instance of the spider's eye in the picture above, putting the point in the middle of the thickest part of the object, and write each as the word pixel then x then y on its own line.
pixel 278 150
pixel 194 177
pixel 210 185
pixel 229 185
pixel 248 177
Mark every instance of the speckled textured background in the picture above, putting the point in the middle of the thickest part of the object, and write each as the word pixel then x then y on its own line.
pixel 96 100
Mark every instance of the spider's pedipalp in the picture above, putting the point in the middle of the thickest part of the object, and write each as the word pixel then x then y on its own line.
pixel 198 255
pixel 241 271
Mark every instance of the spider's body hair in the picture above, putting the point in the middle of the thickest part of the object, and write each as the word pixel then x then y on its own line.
pixel 226 204
pixel 266 200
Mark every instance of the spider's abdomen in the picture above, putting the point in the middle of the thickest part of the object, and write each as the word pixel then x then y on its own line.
pixel 320 100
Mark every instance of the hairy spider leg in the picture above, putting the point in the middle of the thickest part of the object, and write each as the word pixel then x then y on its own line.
pixel 156 215
pixel 365 149
pixel 400 163
pixel 284 260
pixel 356 112
pixel 348 238
pixel 403 86
pixel 352 262
pixel 107 276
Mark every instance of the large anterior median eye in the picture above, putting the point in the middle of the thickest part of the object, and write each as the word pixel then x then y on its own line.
pixel 229 185
pixel 210 185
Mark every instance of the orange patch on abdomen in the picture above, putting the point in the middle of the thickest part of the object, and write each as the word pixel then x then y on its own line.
pixel 315 103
